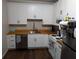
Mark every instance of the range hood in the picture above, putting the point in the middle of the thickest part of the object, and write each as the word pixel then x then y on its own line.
pixel 51 1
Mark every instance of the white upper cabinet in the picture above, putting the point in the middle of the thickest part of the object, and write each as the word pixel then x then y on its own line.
pixel 67 6
pixel 18 13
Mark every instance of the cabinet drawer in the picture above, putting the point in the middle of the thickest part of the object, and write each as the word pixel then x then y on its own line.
pixel 12 46
pixel 11 35
pixel 11 41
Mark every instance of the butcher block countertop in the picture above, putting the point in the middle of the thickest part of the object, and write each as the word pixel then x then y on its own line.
pixel 22 32
pixel 60 42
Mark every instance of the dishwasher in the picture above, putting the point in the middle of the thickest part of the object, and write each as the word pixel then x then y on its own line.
pixel 21 41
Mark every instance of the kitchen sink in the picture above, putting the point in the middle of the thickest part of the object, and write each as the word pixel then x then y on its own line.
pixel 33 32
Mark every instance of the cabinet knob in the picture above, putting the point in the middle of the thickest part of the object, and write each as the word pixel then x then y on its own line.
pixel 18 21
pixel 60 47
pixel 12 40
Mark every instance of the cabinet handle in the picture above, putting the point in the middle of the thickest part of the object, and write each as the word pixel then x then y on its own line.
pixel 55 50
pixel 60 47
pixel 35 39
pixel 18 21
pixel 11 36
pixel 12 45
pixel 12 40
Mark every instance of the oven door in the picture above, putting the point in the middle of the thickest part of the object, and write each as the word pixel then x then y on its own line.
pixel 67 53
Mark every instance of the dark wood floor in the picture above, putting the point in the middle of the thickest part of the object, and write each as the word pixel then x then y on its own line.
pixel 28 54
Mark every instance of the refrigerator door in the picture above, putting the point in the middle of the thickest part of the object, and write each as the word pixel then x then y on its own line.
pixel 67 53
pixel 71 42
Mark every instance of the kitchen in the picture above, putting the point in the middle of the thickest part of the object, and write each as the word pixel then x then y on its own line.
pixel 39 29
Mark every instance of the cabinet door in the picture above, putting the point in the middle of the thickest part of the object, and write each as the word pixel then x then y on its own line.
pixel 45 40
pixel 17 13
pixel 57 51
pixel 12 44
pixel 23 21
pixel 8 41
pixel 11 21
pixel 37 40
pixel 31 41
pixel 11 41
pixel 42 40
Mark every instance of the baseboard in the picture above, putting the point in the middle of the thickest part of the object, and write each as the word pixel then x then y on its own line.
pixel 4 53
pixel 37 47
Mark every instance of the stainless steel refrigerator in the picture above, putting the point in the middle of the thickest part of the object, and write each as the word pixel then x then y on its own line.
pixel 69 41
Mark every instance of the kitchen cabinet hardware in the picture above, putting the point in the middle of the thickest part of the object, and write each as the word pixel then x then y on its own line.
pixel 35 40
pixel 12 40
pixel 18 21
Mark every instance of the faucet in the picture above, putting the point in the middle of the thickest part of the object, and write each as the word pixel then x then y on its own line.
pixel 33 25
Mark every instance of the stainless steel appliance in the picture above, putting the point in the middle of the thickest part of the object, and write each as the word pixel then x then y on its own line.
pixel 69 46
pixel 21 41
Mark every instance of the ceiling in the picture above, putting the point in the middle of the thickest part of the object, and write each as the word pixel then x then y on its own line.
pixel 51 1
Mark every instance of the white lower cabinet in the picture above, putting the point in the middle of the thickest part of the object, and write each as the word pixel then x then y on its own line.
pixel 11 41
pixel 37 40
pixel 31 41
pixel 57 51
pixel 54 48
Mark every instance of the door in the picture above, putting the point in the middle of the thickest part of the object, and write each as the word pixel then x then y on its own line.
pixel 45 40
pixel 31 41
pixel 67 53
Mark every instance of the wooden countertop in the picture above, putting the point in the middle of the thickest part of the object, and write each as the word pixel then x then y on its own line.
pixel 20 32
pixel 60 42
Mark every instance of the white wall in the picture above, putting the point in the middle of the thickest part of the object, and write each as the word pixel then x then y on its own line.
pixel 67 6
pixel 4 26
pixel 29 10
